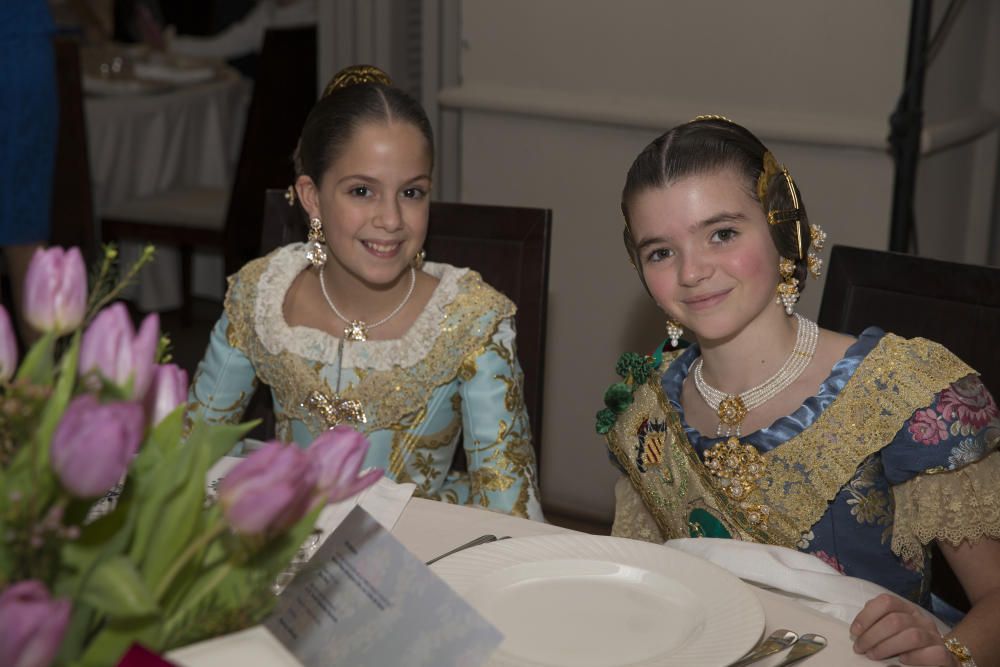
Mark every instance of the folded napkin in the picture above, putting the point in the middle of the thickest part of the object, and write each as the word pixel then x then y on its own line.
pixel 801 575
pixel 168 73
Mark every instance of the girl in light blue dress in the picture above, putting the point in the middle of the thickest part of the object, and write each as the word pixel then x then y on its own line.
pixel 353 327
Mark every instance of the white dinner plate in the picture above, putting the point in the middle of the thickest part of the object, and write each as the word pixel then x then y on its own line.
pixel 593 601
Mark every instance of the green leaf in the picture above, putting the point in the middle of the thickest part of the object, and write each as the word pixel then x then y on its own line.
pixel 108 646
pixel 59 399
pixel 116 589
pixel 38 365
pixel 172 494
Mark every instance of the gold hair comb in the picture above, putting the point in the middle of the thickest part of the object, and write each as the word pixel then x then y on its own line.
pixel 354 75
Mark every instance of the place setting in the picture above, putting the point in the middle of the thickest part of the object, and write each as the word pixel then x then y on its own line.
pixel 123 69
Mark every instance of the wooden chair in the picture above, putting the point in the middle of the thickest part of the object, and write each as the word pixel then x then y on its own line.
pixel 508 246
pixel 957 305
pixel 72 199
pixel 231 220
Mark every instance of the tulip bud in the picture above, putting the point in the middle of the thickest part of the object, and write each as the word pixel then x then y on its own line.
pixel 8 347
pixel 32 625
pixel 55 290
pixel 94 444
pixel 168 390
pixel 338 455
pixel 112 347
pixel 269 491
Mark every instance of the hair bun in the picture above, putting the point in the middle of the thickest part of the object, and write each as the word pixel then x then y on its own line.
pixel 354 75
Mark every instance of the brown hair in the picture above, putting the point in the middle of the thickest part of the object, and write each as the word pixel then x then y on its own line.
pixel 343 109
pixel 706 145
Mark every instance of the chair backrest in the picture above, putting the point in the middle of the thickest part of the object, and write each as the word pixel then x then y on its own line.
pixel 72 201
pixel 508 246
pixel 283 93
pixel 957 305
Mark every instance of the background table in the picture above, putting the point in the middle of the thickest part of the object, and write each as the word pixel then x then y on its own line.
pixel 429 528
pixel 144 144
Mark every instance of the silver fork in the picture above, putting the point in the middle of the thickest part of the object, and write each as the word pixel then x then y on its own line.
pixel 778 640
pixel 806 646
pixel 482 539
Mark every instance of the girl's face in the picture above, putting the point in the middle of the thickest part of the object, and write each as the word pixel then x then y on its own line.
pixel 706 253
pixel 373 201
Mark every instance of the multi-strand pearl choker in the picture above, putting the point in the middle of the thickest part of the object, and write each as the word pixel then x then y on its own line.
pixel 358 329
pixel 733 409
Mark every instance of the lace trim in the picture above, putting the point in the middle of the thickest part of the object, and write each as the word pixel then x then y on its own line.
pixel 286 263
pixel 805 474
pixel 393 398
pixel 954 506
pixel 632 517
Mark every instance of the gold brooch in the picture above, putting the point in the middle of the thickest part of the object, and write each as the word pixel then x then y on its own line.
pixel 738 466
pixel 335 410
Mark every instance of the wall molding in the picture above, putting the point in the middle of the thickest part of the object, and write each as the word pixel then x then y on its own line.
pixel 659 113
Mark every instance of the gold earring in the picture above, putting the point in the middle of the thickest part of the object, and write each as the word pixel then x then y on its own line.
pixel 316 252
pixel 817 239
pixel 674 331
pixel 418 260
pixel 788 288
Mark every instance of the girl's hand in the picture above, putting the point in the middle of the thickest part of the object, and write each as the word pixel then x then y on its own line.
pixel 890 626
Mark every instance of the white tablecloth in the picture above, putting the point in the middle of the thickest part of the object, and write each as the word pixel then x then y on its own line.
pixel 429 528
pixel 146 144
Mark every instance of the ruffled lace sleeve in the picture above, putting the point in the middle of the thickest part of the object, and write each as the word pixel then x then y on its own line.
pixel 947 471
pixel 952 506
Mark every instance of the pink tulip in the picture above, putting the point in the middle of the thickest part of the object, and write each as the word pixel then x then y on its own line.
pixel 269 491
pixel 338 455
pixel 8 347
pixel 112 347
pixel 32 625
pixel 168 390
pixel 55 290
pixel 94 444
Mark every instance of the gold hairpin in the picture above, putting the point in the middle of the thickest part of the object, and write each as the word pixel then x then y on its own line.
pixel 354 75
pixel 711 116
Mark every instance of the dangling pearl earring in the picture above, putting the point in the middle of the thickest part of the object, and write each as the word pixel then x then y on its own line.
pixel 674 331
pixel 316 252
pixel 788 288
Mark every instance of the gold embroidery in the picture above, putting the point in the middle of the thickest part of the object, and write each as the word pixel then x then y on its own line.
pixel 804 474
pixel 471 321
pixel 960 505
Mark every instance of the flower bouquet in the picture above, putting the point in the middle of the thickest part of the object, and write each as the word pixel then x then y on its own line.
pixel 95 410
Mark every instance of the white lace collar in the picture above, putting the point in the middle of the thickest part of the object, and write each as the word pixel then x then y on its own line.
pixel 277 337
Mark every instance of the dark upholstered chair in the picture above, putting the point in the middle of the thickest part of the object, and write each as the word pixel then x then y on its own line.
pixel 957 305
pixel 231 220
pixel 508 246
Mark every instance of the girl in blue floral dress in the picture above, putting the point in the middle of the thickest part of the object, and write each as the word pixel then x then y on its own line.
pixel 731 438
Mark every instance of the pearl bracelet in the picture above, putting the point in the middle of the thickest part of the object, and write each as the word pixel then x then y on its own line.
pixel 960 651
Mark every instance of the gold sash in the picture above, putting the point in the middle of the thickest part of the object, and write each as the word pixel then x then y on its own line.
pixel 802 475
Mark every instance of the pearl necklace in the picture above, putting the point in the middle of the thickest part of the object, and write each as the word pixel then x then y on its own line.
pixel 733 409
pixel 358 329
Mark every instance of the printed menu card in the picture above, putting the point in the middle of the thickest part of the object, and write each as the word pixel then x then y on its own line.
pixel 363 599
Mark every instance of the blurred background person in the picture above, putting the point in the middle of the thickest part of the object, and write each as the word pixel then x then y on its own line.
pixel 29 116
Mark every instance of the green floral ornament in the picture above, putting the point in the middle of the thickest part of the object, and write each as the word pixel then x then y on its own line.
pixel 636 366
pixel 605 420
pixel 618 397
